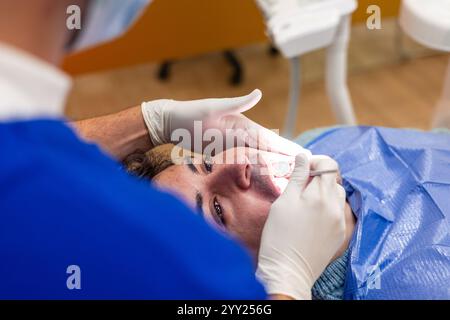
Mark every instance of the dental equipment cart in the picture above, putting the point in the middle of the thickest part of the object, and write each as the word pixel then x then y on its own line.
pixel 300 26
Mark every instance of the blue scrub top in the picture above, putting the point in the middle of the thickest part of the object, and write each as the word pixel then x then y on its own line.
pixel 63 203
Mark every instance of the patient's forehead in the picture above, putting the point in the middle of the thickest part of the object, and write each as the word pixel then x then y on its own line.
pixel 176 180
pixel 229 156
pixel 179 155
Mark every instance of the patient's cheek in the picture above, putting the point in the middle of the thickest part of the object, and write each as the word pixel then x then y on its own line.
pixel 166 181
pixel 160 184
pixel 249 224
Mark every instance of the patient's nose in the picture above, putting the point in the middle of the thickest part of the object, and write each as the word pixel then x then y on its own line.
pixel 235 175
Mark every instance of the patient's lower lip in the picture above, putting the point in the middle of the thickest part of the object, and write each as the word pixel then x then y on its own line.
pixel 270 178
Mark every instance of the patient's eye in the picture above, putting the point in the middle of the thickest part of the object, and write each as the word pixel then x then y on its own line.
pixel 219 212
pixel 208 165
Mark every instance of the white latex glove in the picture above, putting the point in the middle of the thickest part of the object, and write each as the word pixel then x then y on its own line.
pixel 163 117
pixel 304 230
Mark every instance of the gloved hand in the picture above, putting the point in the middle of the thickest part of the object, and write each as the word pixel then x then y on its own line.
pixel 304 229
pixel 163 117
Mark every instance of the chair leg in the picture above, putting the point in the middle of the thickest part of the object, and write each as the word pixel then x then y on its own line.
pixel 402 53
pixel 164 70
pixel 336 75
pixel 441 117
pixel 235 79
pixel 294 99
pixel 273 51
pixel 238 73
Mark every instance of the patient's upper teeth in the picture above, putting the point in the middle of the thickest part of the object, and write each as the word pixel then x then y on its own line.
pixel 281 169
pixel 281 183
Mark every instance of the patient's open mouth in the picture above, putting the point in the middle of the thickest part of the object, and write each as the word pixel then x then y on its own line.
pixel 274 170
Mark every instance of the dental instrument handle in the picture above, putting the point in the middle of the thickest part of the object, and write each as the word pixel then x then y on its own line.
pixel 321 172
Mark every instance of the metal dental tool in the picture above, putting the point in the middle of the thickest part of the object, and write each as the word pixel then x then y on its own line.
pixel 297 27
pixel 321 172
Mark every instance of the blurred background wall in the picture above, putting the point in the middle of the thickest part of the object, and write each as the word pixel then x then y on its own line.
pixel 174 29
pixel 393 81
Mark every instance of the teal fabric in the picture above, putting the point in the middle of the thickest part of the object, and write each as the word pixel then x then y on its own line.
pixel 330 285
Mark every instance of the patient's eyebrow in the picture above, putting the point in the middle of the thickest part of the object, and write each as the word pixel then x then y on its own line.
pixel 191 166
pixel 199 203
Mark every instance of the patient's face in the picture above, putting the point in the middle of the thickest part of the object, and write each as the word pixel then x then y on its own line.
pixel 231 190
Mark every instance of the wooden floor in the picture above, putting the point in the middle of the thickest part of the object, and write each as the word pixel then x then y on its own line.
pixel 385 93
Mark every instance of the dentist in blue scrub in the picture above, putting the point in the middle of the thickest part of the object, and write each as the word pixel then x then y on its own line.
pixel 73 225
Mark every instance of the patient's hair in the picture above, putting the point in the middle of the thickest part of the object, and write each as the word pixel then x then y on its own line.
pixel 147 165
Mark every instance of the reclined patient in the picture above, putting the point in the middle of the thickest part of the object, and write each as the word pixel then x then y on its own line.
pixel 397 211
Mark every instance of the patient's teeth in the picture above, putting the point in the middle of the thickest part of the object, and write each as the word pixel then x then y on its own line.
pixel 279 165
pixel 281 183
pixel 281 169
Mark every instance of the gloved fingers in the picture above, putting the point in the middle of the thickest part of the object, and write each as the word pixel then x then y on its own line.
pixel 216 107
pixel 300 176
pixel 326 184
pixel 331 195
pixel 153 114
pixel 327 189
pixel 323 162
pixel 342 192
pixel 319 163
pixel 268 140
pixel 316 158
pixel 314 190
pixel 339 198
pixel 226 106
